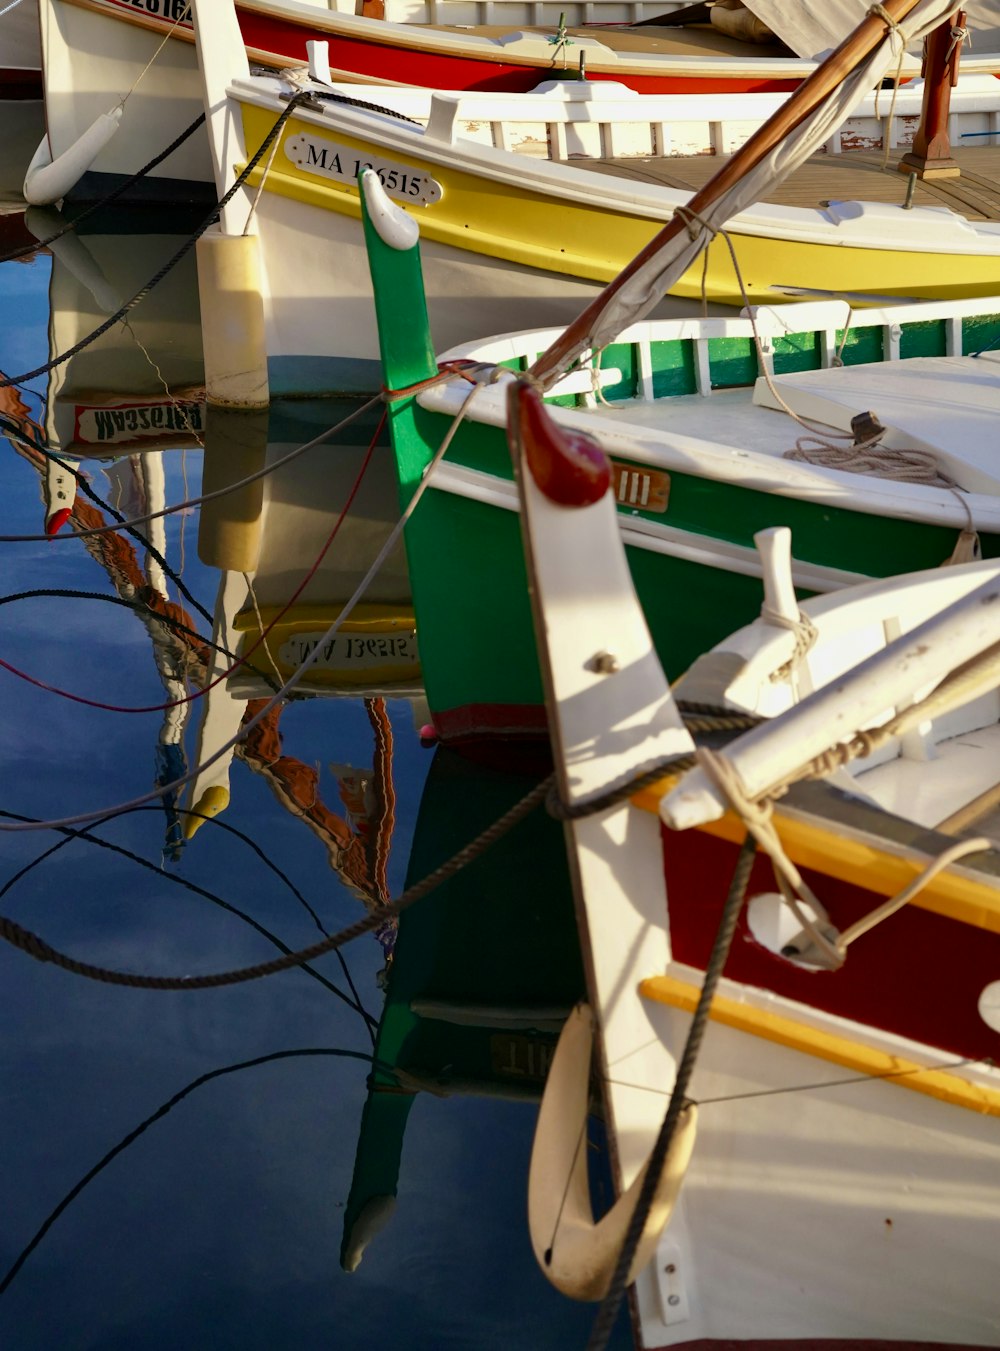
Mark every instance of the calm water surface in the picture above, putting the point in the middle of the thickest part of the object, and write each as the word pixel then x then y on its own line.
pixel 223 1223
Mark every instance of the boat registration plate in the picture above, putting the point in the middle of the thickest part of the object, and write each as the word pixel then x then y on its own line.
pixel 328 159
pixel 353 651
pixel 515 1056
pixel 642 489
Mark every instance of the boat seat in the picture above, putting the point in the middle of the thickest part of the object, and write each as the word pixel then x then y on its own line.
pixel 949 406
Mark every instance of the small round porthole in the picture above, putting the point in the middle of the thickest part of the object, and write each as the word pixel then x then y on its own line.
pixel 989 1005
pixel 774 926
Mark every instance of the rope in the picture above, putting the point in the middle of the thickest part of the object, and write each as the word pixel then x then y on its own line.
pixel 701 718
pixel 805 634
pixel 758 817
pixel 889 907
pixel 181 253
pixel 187 885
pixel 158 1115
pixel 185 12
pixel 110 197
pixel 163 789
pixel 237 661
pixel 139 606
pixel 37 947
pixel 607 1313
pixel 7 8
pixel 14 434
pixel 900 466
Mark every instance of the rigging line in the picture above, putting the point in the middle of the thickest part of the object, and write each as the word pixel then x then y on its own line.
pixel 252 844
pixel 140 538
pixel 581 1136
pixel 130 527
pixel 141 608
pixel 171 263
pixel 611 1303
pixel 36 947
pixel 818 1085
pixel 304 666
pixel 239 661
pixel 158 1115
pixel 17 435
pixel 188 885
pixel 106 201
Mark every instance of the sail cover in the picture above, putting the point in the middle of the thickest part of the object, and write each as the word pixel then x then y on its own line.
pixel 643 282
pixel 813 30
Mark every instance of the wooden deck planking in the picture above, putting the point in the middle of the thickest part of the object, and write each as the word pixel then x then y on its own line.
pixel 642 41
pixel 855 174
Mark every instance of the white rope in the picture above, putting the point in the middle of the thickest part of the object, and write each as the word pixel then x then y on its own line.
pixel 757 816
pixel 166 38
pixel 803 630
pixel 7 8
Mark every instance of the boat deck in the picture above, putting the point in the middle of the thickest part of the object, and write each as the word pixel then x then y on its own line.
pixel 645 41
pixel 852 175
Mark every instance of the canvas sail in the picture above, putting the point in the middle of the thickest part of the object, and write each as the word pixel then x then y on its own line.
pixel 813 30
pixel 643 283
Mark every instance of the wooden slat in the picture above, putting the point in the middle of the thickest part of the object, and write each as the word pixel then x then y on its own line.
pixel 854 174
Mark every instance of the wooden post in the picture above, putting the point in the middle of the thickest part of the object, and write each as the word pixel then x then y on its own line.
pixel 931 153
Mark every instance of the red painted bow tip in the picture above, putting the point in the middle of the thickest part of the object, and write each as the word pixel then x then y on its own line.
pixel 57 520
pixel 569 467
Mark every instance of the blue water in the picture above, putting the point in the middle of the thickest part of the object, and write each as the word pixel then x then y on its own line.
pixel 221 1224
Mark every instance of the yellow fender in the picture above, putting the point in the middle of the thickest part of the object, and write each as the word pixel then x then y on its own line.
pixel 577 1255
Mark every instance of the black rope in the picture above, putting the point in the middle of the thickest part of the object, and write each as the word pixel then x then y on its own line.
pixel 182 252
pixel 158 1115
pixel 323 97
pixel 141 608
pixel 84 833
pixel 111 196
pixel 37 947
pixel 145 542
pixel 608 1312
pixel 703 718
pixel 577 811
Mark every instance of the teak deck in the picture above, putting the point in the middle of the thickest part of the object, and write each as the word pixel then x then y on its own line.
pixel 853 174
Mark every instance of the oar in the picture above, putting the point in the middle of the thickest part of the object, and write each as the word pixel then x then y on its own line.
pixel 578 337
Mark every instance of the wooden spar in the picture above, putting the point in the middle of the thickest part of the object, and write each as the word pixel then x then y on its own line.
pixel 803 101
pixel 931 153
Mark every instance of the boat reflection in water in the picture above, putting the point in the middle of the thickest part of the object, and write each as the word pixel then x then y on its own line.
pixel 485 972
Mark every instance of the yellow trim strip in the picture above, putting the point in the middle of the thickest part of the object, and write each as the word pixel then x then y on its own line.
pixel 839 1050
pixel 536 227
pixel 844 856
pixel 365 618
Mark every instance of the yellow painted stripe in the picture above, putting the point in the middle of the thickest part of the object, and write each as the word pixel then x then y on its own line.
pixel 367 617
pixel 531 228
pixel 853 1055
pixel 821 848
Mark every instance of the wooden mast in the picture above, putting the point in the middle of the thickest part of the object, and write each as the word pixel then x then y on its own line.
pixel 803 101
pixel 931 153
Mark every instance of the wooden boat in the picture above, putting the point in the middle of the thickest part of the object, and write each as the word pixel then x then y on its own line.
pixel 122 39
pixel 685 410
pixel 527 204
pixel 840 1116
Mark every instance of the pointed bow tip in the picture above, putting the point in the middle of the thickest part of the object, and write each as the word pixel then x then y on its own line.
pixel 569 467
pixel 211 803
pixel 55 520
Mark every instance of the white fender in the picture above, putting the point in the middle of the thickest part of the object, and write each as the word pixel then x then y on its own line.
pixel 577 1255
pixel 47 180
